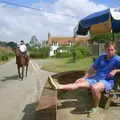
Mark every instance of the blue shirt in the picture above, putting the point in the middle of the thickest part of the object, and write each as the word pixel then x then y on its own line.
pixel 104 66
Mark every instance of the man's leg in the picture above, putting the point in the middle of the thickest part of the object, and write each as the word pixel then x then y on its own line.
pixel 96 95
pixel 74 86
pixel 80 83
pixel 97 89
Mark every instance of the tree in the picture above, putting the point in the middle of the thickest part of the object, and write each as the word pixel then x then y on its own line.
pixel 3 43
pixel 34 42
pixel 12 44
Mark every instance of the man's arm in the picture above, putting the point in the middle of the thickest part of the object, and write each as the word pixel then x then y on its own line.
pixel 114 72
pixel 91 71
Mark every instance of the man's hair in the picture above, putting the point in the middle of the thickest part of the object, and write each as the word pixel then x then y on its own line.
pixel 22 41
pixel 110 43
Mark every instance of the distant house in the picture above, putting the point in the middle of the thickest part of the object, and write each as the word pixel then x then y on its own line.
pixel 55 42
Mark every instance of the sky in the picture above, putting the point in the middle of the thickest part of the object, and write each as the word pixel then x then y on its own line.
pixel 58 17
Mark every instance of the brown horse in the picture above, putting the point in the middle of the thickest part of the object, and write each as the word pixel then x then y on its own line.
pixel 22 61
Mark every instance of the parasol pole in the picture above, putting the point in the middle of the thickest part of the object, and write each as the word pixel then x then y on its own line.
pixel 113 36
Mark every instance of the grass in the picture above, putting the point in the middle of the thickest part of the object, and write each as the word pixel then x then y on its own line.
pixel 62 65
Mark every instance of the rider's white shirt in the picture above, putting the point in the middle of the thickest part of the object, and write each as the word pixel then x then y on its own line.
pixel 23 48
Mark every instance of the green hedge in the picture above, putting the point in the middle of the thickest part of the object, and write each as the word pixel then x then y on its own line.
pixel 39 52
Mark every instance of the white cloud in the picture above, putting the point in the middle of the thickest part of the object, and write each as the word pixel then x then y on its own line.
pixel 21 23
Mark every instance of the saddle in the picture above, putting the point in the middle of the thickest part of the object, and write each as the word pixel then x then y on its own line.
pixel 24 54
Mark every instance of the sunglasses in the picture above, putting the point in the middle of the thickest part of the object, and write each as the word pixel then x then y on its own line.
pixel 110 49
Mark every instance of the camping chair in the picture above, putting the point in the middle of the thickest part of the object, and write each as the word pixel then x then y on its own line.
pixel 112 96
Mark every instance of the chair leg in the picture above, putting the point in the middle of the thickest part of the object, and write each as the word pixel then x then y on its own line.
pixel 108 103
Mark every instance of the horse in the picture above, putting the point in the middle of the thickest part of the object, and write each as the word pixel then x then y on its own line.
pixel 22 61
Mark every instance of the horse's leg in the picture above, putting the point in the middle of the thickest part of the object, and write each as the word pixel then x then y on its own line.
pixel 26 69
pixel 27 62
pixel 22 72
pixel 18 67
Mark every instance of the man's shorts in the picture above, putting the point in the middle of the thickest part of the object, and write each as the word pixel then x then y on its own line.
pixel 108 85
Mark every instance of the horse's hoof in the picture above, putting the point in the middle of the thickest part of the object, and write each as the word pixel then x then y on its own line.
pixel 19 78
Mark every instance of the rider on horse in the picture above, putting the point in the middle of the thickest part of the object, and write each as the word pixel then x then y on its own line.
pixel 22 58
pixel 23 48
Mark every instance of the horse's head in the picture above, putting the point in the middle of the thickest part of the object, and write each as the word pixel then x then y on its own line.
pixel 17 51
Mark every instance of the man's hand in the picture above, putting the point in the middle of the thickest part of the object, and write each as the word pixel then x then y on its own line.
pixel 80 80
pixel 112 73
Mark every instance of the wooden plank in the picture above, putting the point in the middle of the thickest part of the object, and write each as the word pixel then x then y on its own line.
pixel 46 108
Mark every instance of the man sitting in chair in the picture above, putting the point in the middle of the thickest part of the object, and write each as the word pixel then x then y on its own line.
pixel 104 68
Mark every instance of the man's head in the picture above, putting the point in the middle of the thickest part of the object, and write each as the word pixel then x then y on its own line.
pixel 21 42
pixel 110 48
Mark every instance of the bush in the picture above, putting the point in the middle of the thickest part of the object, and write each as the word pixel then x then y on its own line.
pixel 45 51
pixel 5 54
pixel 39 52
pixel 33 49
pixel 75 52
pixel 4 58
pixel 63 52
pixel 35 54
pixel 78 52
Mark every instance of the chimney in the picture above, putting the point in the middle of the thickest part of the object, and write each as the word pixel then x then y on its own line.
pixel 48 38
pixel 49 35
